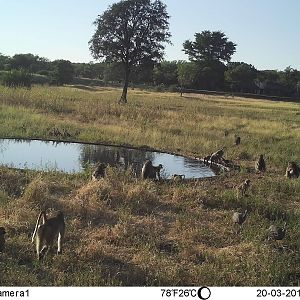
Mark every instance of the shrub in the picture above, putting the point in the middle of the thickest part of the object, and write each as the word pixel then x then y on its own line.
pixel 17 78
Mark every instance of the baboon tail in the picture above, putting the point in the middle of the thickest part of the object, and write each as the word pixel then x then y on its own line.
pixel 42 213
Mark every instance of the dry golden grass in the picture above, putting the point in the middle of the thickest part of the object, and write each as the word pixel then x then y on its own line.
pixel 125 231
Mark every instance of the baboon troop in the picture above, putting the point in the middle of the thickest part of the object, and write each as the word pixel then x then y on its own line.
pixel 150 171
pixel 47 232
pixel 260 165
pixel 242 188
pixel 178 177
pixel 99 171
pixel 2 238
pixel 276 233
pixel 292 170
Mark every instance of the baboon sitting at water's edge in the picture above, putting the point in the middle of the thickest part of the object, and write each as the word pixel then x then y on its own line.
pixel 150 171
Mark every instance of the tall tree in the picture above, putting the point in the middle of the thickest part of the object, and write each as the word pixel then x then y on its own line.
pixel 166 73
pixel 130 32
pixel 63 72
pixel 241 76
pixel 210 50
pixel 209 46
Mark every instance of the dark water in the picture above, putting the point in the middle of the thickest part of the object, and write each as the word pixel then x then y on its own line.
pixel 73 157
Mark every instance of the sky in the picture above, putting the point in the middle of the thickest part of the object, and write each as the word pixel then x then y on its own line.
pixel 267 32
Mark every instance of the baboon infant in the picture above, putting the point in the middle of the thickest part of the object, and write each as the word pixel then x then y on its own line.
pixel 47 232
pixel 2 239
pixel 292 170
pixel 150 171
pixel 99 171
pixel 242 188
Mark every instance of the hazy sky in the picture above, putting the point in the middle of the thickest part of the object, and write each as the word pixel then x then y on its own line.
pixel 267 32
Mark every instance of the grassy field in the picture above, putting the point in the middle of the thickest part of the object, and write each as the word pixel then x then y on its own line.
pixel 124 231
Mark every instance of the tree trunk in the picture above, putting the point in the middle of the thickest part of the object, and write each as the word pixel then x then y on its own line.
pixel 123 98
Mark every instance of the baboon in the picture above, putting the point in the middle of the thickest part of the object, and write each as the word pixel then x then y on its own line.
pixel 150 171
pixel 99 171
pixel 242 188
pixel 276 233
pixel 55 132
pixel 65 133
pixel 260 165
pixel 292 170
pixel 178 177
pixel 2 239
pixel 47 232
pixel 217 156
pixel 239 218
pixel 207 158
pixel 237 140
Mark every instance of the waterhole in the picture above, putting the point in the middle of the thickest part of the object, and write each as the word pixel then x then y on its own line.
pixel 74 157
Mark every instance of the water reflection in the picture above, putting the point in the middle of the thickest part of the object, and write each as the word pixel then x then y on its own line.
pixel 73 157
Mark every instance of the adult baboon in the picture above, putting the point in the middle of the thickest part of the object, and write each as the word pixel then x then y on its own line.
pixel 217 156
pixel 2 239
pixel 260 165
pixel 276 233
pixel 242 188
pixel 237 140
pixel 292 170
pixel 239 218
pixel 178 177
pixel 47 232
pixel 99 171
pixel 150 171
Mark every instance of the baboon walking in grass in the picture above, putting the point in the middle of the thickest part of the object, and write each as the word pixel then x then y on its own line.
pixel 260 165
pixel 242 188
pixel 47 232
pixel 239 218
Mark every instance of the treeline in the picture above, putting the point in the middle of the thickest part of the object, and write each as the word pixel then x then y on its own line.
pixel 195 74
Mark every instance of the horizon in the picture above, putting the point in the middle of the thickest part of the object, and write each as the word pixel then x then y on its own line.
pixel 257 39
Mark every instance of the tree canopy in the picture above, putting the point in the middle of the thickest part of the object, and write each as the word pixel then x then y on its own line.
pixel 209 46
pixel 241 76
pixel 130 32
pixel 63 72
